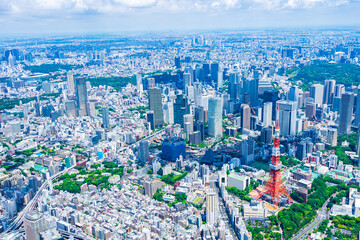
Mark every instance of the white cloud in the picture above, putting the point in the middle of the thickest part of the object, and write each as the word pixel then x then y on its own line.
pixel 55 8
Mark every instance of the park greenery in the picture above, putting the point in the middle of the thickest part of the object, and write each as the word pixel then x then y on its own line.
pixel 116 82
pixel 351 224
pixel 10 103
pixel 141 109
pixel 13 162
pixel 322 227
pixel 289 161
pixel 49 68
pixel 171 178
pixel 243 194
pixel 259 232
pixel 340 151
pixel 179 198
pixel 71 183
pixel 300 214
pixel 319 71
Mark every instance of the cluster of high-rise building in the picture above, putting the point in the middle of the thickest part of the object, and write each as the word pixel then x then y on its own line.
pixel 186 120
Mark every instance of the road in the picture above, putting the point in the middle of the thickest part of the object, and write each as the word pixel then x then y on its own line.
pixel 20 217
pixel 321 216
pixel 224 216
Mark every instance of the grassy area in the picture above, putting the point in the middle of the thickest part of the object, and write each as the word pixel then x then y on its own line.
pixel 347 74
pixel 116 82
pixel 198 200
pixel 261 165
pixel 49 68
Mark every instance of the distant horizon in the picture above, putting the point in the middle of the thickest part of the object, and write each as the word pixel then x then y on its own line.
pixel 189 31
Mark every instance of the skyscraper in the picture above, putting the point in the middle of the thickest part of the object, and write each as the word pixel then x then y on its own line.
pixel 198 93
pixel 339 90
pixel 177 62
pixel 254 92
pixel 316 92
pixel 357 110
pixel 294 93
pixel 150 119
pixel 220 79
pixel 143 152
pixel 332 137
pixel 105 117
pixel 329 89
pixel 358 147
pixel 34 223
pixel 267 114
pixel 310 110
pixel 37 106
pixel 139 85
pixel 81 97
pixel 215 117
pixel 245 116
pixel 188 124
pixel 181 107
pixel 169 112
pixel 247 151
pixel 215 67
pixel 212 207
pixel 186 81
pixel 234 85
pixel 155 104
pixel 287 117
pixel 46 87
pixel 70 82
pixel 347 103
pixel 70 108
pixel 199 114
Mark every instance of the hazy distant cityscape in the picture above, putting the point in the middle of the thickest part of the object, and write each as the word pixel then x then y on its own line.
pixel 181 135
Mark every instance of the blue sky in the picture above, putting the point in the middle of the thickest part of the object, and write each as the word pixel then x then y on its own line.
pixel 56 16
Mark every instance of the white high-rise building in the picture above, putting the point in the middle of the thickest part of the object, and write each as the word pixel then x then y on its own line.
pixel 198 93
pixel 139 85
pixel 188 124
pixel 215 117
pixel 34 223
pixel 168 110
pixel 220 80
pixel 70 82
pixel 212 207
pixel 287 117
pixel 267 114
pixel 317 93
pixel 333 161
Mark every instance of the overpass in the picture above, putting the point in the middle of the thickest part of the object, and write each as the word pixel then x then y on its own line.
pixel 30 206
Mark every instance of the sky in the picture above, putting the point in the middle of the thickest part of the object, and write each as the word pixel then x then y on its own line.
pixel 96 16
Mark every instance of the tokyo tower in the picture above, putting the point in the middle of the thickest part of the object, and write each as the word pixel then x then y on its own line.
pixel 274 186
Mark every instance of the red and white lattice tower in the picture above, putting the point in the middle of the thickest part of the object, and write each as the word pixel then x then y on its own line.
pixel 274 186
